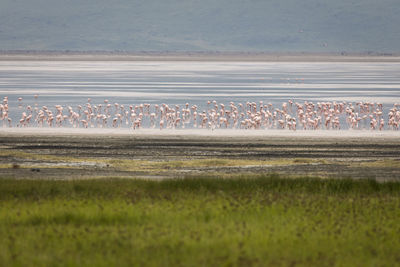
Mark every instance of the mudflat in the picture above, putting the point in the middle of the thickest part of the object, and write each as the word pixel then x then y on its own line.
pixel 156 156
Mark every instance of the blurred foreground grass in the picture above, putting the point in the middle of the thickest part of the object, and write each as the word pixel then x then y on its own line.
pixel 243 221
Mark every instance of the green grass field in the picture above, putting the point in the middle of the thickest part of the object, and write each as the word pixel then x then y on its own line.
pixel 243 221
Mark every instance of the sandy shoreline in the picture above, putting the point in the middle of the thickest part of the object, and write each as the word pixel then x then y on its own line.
pixel 250 57
pixel 321 134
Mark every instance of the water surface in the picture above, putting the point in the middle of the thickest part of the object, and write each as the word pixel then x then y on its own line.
pixel 71 83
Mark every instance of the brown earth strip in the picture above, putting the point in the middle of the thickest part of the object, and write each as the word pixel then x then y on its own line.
pixel 82 156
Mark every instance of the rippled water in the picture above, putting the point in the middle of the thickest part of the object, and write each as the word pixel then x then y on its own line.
pixel 71 82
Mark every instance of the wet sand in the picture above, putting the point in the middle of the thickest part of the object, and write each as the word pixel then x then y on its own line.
pixel 89 153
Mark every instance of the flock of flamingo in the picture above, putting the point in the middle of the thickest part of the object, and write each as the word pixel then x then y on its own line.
pixel 249 115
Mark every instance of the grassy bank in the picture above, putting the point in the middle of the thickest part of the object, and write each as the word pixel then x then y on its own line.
pixel 257 220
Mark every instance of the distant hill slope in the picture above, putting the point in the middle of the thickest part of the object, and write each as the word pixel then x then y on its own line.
pixel 201 25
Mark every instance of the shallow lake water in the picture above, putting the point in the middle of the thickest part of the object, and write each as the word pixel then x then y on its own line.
pixel 71 83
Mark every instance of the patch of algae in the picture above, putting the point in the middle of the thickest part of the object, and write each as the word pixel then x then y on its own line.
pixel 142 165
pixel 51 161
pixel 386 163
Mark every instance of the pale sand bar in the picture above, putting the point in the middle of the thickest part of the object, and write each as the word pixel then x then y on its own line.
pixel 387 134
